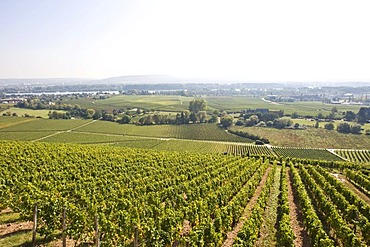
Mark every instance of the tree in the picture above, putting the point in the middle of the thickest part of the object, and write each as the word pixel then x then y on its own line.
pixel 329 126
pixel 350 116
pixel 197 105
pixel 331 115
pixel 295 115
pixel 126 119
pixel 364 114
pixel 320 115
pixel 356 129
pixel 90 113
pixel 201 115
pixel 226 121
pixel 97 115
pixel 281 123
pixel 239 123
pixel 193 117
pixel 213 119
pixel 254 119
pixel 344 128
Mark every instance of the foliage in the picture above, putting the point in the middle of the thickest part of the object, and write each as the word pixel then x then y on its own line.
pixel 347 128
pixel 329 126
pixel 197 105
pixel 126 119
pixel 348 205
pixel 285 232
pixel 361 156
pixel 154 191
pixel 364 114
pixel 358 178
pixel 250 150
pixel 226 121
pixel 250 230
pixel 248 135
pixel 311 220
pixel 329 211
pixel 350 116
pixel 306 153
pixel 281 123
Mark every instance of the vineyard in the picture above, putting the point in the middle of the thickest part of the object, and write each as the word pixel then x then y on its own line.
pixel 362 156
pixel 306 153
pixel 246 150
pixel 123 197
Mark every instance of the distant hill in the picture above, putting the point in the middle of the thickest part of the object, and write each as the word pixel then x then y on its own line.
pixel 138 79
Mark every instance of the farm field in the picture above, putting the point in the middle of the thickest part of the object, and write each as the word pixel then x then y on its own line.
pixel 155 102
pixel 40 125
pixel 204 138
pixel 190 131
pixel 310 138
pixel 304 122
pixel 175 198
pixel 227 103
pixel 22 112
pixel 305 153
pixel 312 108
pixel 362 156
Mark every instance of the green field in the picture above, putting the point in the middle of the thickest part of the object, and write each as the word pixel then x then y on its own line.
pixel 227 103
pixel 39 124
pixel 310 123
pixel 23 136
pixel 193 138
pixel 190 131
pixel 149 102
pixel 150 198
pixel 22 112
pixel 6 122
pixel 310 138
pixel 358 156
pixel 305 153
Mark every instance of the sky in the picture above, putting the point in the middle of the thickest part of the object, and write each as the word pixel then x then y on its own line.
pixel 316 40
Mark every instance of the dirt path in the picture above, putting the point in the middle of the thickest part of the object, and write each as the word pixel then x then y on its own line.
pixel 13 228
pixel 247 211
pixel 268 229
pixel 6 211
pixel 296 217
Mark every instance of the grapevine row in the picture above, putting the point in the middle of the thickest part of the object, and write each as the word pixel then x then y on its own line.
pixel 249 233
pixel 359 179
pixel 312 222
pixel 328 210
pixel 349 211
pixel 285 232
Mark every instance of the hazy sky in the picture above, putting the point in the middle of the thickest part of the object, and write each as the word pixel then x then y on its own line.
pixel 315 40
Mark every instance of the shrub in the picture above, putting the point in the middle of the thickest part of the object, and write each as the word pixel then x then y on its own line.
pixel 329 126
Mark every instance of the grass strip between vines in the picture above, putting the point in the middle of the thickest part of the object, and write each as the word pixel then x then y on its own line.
pixel 268 228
